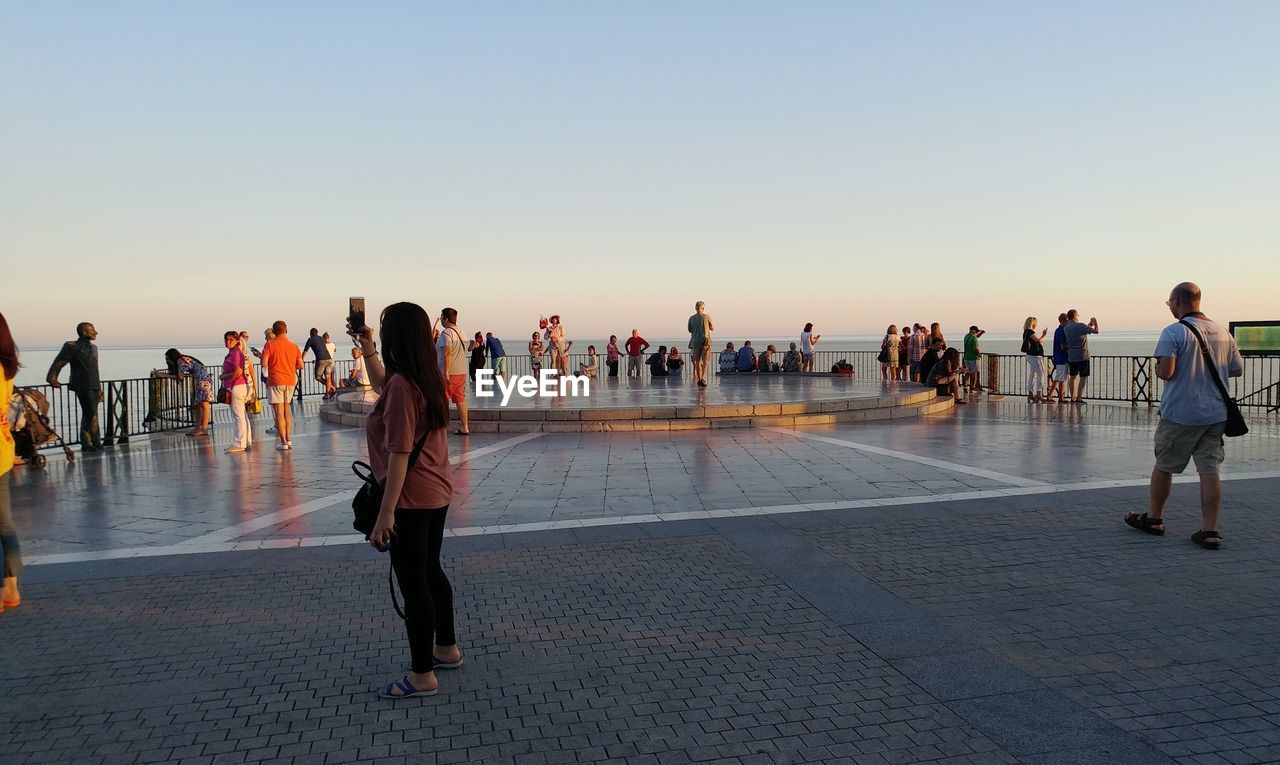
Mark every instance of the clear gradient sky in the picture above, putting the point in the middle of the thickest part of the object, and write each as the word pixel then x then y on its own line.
pixel 170 170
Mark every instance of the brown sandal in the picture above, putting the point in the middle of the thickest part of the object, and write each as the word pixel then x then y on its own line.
pixel 1209 540
pixel 1144 523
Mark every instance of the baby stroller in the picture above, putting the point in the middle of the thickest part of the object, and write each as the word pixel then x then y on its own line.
pixel 31 427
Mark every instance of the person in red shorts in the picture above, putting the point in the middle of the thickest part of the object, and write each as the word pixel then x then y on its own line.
pixel 451 352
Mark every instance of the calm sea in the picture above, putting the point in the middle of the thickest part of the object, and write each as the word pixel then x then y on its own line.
pixel 118 363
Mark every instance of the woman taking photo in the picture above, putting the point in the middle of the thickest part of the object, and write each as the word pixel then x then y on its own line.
pixel 412 411
pixel 1033 347
pixel 233 379
pixel 9 551
pixel 808 339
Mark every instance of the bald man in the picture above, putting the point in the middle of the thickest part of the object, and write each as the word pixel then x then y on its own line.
pixel 1193 414
pixel 82 356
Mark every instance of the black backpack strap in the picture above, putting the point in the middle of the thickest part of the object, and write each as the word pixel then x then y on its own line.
pixel 1208 360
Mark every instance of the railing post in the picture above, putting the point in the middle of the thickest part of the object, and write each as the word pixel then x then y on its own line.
pixel 993 374
pixel 124 412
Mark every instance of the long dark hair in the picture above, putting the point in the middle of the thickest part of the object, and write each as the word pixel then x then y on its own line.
pixel 8 351
pixel 407 350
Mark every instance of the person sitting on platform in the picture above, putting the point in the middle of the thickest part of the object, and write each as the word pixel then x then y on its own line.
pixel 658 362
pixel 766 362
pixel 791 360
pixel 358 377
pixel 589 367
pixel 674 363
pixel 746 358
pixel 946 374
pixel 728 358
pixel 930 357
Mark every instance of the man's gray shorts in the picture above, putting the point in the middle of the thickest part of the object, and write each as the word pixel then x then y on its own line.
pixel 972 365
pixel 500 366
pixel 323 367
pixel 1176 445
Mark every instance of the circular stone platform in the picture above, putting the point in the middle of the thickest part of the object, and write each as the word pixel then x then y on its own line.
pixel 729 401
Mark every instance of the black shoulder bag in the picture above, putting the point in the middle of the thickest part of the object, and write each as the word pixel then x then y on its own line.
pixel 1235 420
pixel 368 503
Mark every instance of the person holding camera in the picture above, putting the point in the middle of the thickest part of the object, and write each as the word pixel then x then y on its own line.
pixel 808 339
pixel 972 369
pixel 412 413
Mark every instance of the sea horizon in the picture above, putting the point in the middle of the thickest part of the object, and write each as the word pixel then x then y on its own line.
pixel 130 361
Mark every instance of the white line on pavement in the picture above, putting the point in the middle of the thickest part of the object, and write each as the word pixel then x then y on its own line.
pixel 942 464
pixel 622 520
pixel 297 511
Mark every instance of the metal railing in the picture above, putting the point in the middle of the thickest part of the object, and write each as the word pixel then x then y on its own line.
pixel 157 404
pixel 1133 379
pixel 146 405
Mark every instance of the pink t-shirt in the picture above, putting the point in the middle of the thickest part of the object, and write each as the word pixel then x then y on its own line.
pixel 234 362
pixel 395 425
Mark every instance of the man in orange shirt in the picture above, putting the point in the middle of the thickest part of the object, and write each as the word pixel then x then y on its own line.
pixel 283 360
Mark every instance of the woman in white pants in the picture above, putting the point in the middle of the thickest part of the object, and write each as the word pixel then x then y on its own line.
pixel 233 379
pixel 1033 347
pixel 251 378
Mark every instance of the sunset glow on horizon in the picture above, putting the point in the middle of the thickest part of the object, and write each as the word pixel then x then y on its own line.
pixel 172 171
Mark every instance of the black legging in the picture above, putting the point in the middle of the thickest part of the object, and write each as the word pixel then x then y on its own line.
pixel 428 596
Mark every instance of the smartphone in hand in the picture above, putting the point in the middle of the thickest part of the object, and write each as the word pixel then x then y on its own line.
pixel 355 313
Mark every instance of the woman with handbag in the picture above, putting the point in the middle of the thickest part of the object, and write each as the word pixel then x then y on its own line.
pixel 1033 348
pixel 235 390
pixel 888 357
pixel 409 457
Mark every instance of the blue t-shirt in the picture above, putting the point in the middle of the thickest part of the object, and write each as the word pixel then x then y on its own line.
pixel 1059 347
pixel 495 348
pixel 746 359
pixel 1190 397
pixel 315 344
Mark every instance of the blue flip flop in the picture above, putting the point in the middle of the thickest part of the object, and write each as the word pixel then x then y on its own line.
pixel 438 664
pixel 406 689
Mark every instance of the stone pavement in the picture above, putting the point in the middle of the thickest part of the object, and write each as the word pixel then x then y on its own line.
pixel 958 589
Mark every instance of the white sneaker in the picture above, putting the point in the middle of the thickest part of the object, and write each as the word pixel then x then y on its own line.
pixel 233 449
pixel 281 447
pixel 288 444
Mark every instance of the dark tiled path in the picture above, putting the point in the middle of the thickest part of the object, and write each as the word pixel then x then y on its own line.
pixel 922 623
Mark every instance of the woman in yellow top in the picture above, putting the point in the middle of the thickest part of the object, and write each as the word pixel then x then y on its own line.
pixel 8 537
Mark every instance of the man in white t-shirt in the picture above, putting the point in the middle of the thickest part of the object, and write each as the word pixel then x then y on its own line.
pixel 451 353
pixel 358 377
